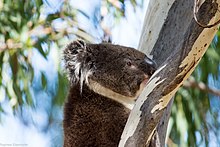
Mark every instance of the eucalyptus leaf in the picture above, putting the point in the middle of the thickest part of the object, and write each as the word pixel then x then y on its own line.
pixel 43 80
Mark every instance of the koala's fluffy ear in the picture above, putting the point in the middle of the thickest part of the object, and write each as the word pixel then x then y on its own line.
pixel 74 57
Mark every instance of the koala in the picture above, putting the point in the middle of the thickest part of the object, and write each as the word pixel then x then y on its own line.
pixel 105 80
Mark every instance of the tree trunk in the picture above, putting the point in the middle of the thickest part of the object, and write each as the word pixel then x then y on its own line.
pixel 177 43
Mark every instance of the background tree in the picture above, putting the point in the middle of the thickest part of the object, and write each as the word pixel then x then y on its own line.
pixel 177 45
pixel 42 28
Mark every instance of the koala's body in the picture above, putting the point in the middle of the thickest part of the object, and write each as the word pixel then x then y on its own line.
pixel 105 81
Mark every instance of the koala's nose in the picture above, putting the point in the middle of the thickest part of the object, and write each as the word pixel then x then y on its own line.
pixel 150 62
pixel 152 66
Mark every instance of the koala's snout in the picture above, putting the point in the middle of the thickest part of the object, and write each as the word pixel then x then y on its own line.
pixel 150 66
pixel 150 62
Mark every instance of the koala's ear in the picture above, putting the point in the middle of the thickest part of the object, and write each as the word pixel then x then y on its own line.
pixel 74 55
pixel 75 47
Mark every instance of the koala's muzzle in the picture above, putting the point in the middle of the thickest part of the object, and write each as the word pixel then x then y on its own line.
pixel 148 66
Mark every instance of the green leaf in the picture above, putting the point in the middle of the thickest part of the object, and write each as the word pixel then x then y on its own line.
pixel 52 17
pixel 213 54
pixel 13 60
pixel 1 64
pixel 18 93
pixel 29 99
pixel 40 49
pixel 61 90
pixel 43 81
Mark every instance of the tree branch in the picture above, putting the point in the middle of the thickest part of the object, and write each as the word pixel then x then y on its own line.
pixel 178 46
pixel 191 83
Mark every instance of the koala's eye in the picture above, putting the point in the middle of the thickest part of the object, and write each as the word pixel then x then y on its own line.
pixel 128 63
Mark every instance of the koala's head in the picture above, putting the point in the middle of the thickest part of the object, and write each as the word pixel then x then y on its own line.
pixel 120 69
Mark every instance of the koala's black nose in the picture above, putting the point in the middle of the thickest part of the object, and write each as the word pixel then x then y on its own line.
pixel 150 62
pixel 150 66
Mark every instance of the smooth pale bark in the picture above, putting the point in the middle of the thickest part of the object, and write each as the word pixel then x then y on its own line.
pixel 177 43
